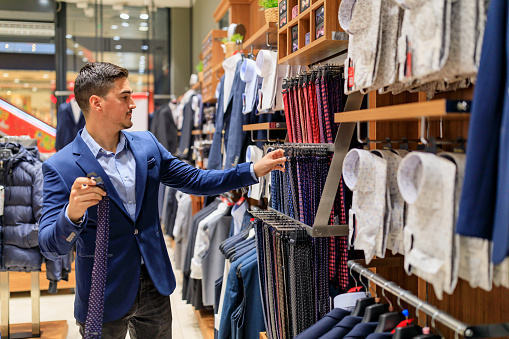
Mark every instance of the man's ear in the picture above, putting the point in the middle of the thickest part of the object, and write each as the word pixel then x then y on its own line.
pixel 95 103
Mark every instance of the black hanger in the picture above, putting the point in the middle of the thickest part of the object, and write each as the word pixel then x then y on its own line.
pixel 361 305
pixel 388 321
pixel 407 332
pixel 428 336
pixel 374 312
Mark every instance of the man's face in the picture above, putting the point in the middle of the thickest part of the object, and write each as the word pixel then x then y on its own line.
pixel 118 104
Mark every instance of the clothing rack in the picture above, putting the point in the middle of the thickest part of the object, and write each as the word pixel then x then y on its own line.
pixel 276 218
pixel 459 328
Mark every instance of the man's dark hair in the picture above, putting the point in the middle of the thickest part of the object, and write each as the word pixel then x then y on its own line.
pixel 96 78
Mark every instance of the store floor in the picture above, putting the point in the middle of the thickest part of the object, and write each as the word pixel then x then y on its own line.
pixel 60 307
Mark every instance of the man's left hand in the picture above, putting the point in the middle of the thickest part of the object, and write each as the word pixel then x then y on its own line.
pixel 271 161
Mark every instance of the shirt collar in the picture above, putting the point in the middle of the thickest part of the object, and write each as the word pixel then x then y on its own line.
pixel 95 148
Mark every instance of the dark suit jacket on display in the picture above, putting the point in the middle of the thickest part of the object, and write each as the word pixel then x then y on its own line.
pixel 67 128
pixel 129 240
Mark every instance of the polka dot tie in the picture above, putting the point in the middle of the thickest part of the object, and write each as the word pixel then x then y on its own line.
pixel 94 320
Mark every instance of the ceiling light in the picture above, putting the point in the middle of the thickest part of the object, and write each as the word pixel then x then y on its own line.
pixel 82 4
pixel 25 85
pixel 84 59
pixel 34 47
pixel 144 47
pixel 144 24
pixel 118 46
pixel 125 24
pixel 9 92
pixel 45 76
pixel 116 38
pixel 143 29
pixel 68 36
pixel 16 81
pixel 124 14
pixel 89 12
pixel 76 45
pixel 6 46
pixel 80 53
pixel 34 89
pixel 114 26
pixel 5 75
pixel 144 15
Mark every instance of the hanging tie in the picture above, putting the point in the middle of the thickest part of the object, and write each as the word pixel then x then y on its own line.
pixel 94 320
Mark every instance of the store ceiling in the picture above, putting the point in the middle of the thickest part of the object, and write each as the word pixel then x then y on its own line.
pixel 157 3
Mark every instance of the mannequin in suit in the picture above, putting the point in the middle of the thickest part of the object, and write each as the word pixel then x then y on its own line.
pixel 69 121
pixel 132 165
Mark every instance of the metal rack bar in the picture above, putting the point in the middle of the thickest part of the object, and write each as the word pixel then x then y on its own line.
pixel 459 328
pixel 271 217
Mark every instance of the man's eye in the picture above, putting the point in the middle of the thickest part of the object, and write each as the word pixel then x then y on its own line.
pixel 125 98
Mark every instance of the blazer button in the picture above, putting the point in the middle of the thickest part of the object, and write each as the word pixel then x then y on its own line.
pixel 135 231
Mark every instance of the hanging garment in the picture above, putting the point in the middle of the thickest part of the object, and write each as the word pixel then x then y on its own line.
pixel 266 67
pixel 426 182
pixel 186 137
pixel 217 147
pixel 424 44
pixel 361 20
pixel 483 208
pixel 164 128
pixel 67 124
pixel 249 76
pixel 230 67
pixel 366 175
pixel 254 154
pixel 183 220
pixel 395 208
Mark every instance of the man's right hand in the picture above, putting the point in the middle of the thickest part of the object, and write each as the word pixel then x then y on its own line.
pixel 84 193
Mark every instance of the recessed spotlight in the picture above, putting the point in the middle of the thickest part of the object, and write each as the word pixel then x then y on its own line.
pixel 144 15
pixel 25 85
pixel 76 45
pixel 34 89
pixel 116 38
pixel 85 60
pixel 143 29
pixel 45 76
pixel 5 75
pixel 124 14
pixel 144 47
pixel 144 24
pixel 16 81
pixel 125 24
pixel 6 46
pixel 68 36
pixel 80 53
pixel 118 46
pixel 34 47
pixel 9 92
pixel 114 26
pixel 142 57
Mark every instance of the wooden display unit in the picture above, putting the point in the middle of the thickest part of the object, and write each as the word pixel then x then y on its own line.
pixel 213 56
pixel 20 281
pixel 321 14
pixel 246 12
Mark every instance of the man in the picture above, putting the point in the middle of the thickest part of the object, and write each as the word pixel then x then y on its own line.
pixel 139 275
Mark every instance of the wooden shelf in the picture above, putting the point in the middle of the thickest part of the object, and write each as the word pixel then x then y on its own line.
pixel 431 109
pixel 317 50
pixel 206 323
pixel 265 126
pixel 21 281
pixel 49 330
pixel 258 40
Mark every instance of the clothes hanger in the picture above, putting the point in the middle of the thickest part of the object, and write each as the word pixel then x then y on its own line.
pixel 361 304
pixel 388 321
pixel 409 331
pixel 426 333
pixel 373 312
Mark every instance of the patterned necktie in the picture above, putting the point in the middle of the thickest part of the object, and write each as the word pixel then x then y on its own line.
pixel 94 320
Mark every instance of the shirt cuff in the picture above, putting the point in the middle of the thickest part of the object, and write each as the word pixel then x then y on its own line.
pixel 73 223
pixel 253 174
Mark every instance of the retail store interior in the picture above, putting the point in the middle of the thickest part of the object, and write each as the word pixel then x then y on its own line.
pixel 263 169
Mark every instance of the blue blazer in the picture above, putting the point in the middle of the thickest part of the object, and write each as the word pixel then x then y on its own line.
pixel 484 211
pixel 129 239
pixel 67 128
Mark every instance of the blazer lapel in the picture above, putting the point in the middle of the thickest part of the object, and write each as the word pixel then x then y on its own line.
pixel 140 156
pixel 89 164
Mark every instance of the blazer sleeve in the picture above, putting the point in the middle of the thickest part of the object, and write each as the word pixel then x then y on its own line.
pixel 57 234
pixel 191 180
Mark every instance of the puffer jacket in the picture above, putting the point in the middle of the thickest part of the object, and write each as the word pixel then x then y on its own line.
pixel 21 175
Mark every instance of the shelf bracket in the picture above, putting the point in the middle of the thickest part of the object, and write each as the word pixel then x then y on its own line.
pixel 268 43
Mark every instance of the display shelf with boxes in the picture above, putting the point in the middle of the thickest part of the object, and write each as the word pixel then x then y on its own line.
pixel 213 57
pixel 312 32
